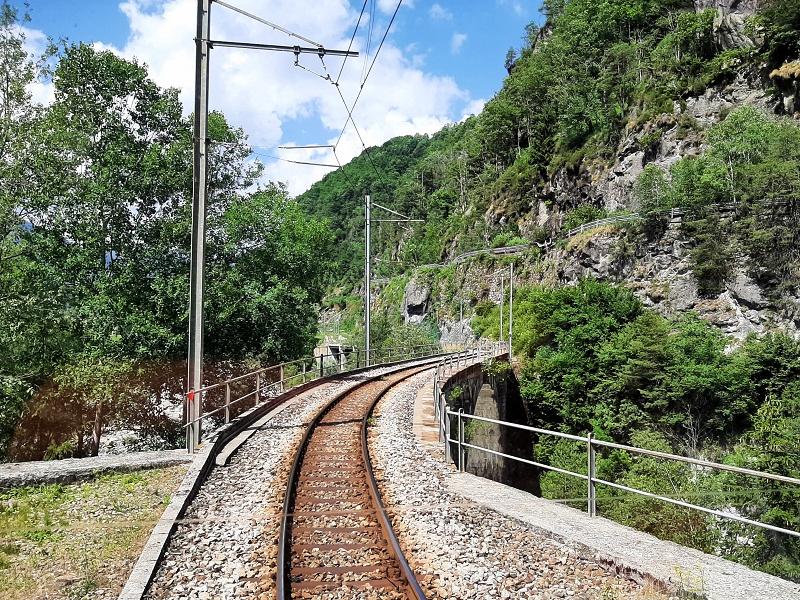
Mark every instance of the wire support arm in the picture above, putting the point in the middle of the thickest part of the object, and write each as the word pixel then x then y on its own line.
pixel 389 210
pixel 280 48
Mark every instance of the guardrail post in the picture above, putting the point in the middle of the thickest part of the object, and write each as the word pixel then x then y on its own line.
pixel 436 394
pixel 591 499
pixel 258 388
pixel 280 374
pixel 442 409
pixel 198 415
pixel 227 402
pixel 358 357
pixel 460 440
pixel 189 410
pixel 304 371
pixel 446 433
pixel 321 367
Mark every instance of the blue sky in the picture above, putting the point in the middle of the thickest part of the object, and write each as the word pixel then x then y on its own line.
pixel 442 59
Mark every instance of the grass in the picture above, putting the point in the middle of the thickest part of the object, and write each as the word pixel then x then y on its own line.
pixel 78 541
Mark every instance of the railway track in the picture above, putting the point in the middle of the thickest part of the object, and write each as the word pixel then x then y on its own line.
pixel 335 534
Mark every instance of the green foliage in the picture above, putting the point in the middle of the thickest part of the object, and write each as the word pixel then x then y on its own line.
pixel 569 96
pixel 780 22
pixel 507 238
pixel 94 247
pixel 594 360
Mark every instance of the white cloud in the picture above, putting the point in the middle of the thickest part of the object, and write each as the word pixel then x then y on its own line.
pixel 42 92
pixel 473 107
pixel 440 13
pixel 457 41
pixel 389 6
pixel 260 91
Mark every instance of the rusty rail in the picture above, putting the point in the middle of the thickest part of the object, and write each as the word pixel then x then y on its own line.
pixel 343 482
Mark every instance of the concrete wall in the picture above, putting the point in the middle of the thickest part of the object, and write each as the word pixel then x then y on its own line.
pixel 494 396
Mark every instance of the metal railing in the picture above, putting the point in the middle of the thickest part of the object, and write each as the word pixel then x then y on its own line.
pixel 264 383
pixel 445 369
pixel 444 416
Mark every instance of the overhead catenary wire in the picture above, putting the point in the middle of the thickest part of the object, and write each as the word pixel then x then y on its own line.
pixel 296 162
pixel 372 65
pixel 370 29
pixel 352 38
pixel 351 109
pixel 360 137
pixel 313 146
pixel 268 23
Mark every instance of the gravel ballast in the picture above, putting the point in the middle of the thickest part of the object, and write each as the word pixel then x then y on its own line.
pixel 460 549
pixel 225 545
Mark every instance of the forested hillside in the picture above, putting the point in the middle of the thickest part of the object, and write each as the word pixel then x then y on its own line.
pixel 95 216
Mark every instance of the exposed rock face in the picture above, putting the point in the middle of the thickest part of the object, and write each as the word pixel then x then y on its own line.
pixel 456 333
pixel 730 21
pixel 660 275
pixel 662 142
pixel 416 302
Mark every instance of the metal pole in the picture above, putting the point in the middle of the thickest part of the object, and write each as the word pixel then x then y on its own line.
pixel 367 277
pixel 502 300
pixel 321 365
pixel 592 501
pixel 511 314
pixel 446 432
pixel 304 371
pixel 190 428
pixel 227 403
pixel 258 388
pixel 194 380
pixel 460 440
pixel 199 425
pixel 442 417
pixel 281 376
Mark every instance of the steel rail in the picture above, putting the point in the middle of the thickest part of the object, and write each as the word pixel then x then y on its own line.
pixel 282 583
pixel 383 517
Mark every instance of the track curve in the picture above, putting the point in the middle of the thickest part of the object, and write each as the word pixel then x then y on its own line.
pixel 334 530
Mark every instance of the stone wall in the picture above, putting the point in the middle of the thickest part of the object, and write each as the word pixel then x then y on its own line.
pixel 495 397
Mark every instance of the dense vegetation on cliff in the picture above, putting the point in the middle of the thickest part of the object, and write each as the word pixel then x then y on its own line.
pixel 597 78
pixel 95 217
pixel 593 76
pixel 595 360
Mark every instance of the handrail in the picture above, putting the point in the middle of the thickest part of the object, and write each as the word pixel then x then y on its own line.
pixel 314 358
pixel 194 415
pixel 444 415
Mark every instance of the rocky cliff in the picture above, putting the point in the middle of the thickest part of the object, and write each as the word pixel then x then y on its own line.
pixel 665 138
